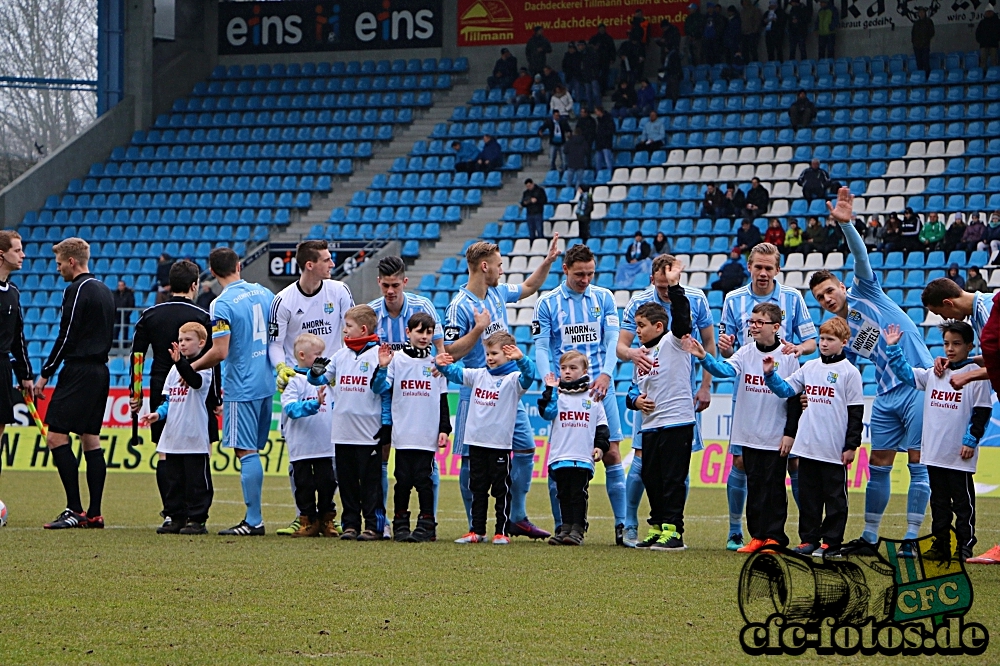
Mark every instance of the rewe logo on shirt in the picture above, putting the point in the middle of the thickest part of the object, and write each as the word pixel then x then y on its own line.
pixel 415 384
pixel 353 380
pixel 483 394
pixel 823 391
pixel 947 396
pixel 574 416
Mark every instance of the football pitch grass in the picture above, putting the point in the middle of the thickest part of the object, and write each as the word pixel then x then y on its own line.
pixel 129 596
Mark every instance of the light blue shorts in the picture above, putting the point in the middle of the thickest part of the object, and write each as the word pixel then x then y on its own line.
pixel 696 444
pixel 897 420
pixel 524 435
pixel 246 425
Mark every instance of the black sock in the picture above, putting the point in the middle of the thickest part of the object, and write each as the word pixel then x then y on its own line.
pixel 69 474
pixel 97 470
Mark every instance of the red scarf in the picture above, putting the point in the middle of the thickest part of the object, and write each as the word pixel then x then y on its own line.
pixel 358 344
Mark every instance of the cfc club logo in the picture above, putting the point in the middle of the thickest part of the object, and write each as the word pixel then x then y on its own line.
pixel 832 377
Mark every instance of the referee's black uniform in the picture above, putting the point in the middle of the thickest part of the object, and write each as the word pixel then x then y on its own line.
pixel 12 344
pixel 86 332
pixel 158 327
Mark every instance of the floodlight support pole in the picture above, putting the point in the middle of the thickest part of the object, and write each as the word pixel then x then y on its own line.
pixel 110 54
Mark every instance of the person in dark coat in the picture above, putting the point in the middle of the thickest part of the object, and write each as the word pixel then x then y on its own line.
pixel 550 79
pixel 606 51
pixel 558 130
pixel 757 200
pixel 711 40
pixel 590 74
pixel 732 274
pixel 711 205
pixel 637 250
pixel 669 39
pixel 814 182
pixel 504 71
pixel 974 280
pixel 775 22
pixel 921 35
pixel 802 111
pixel 163 265
pixel 536 49
pixel 955 276
pixel 124 302
pixel 583 209
pixel 988 37
pixel 694 29
pixel 624 100
pixel 799 20
pixel 577 155
pixel 631 60
pixel 205 296
pixel 490 157
pixel 732 36
pixel 587 124
pixel 604 140
pixel 747 237
pixel 533 200
pixel 572 64
pixel 672 74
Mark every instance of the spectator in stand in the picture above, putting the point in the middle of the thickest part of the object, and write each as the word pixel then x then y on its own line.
pixel 735 202
pixel 757 200
pixel 892 234
pixel 551 80
pixel 587 124
pixel 711 39
pixel 814 181
pixel 577 155
pixel 584 209
pixel 953 234
pixel 163 265
pixel 799 20
pixel 669 40
pixel 750 22
pixel 624 100
pixel 637 250
pixel 955 276
pixel 652 136
pixel 645 99
pixel 124 302
pixel 974 280
pixel 774 32
pixel 921 35
pixel 802 111
pixel 732 274
pixel 910 226
pixel 775 235
pixel 606 52
pixel 466 153
pixel 747 237
pixel 631 59
pixel 558 130
pixel 988 37
pixel 490 157
pixel 536 49
pixel 711 205
pixel 604 140
pixel 694 28
pixel 522 87
pixel 732 36
pixel 562 102
pixel 793 238
pixel 672 73
pixel 538 92
pixel 205 296
pixel 827 20
pixel 974 233
pixel 832 237
pixel 504 71
pixel 533 200
pixel 872 234
pixel 640 26
pixel 813 236
pixel 932 234
pixel 991 238
pixel 572 63
pixel 590 74
pixel 660 244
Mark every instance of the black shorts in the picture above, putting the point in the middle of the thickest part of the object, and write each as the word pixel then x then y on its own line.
pixel 79 400
pixel 9 396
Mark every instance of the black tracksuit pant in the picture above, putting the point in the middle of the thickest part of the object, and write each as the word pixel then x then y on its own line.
pixel 359 471
pixel 315 483
pixel 666 457
pixel 953 493
pixel 489 474
pixel 822 485
pixel 767 501
pixel 572 485
pixel 413 470
pixel 185 483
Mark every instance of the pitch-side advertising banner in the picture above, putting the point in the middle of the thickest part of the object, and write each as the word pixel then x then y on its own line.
pixel 892 14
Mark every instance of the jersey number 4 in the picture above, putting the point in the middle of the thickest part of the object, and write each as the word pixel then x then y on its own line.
pixel 259 324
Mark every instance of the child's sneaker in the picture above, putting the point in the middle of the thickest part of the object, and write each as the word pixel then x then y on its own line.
pixel 292 528
pixel 557 537
pixel 575 536
pixel 68 519
pixel 670 540
pixel 756 545
pixel 350 534
pixel 194 527
pixel 806 548
pixel 908 550
pixel 386 533
pixel 370 535
pixel 735 542
pixel 472 537
pixel 651 537
pixel 401 527
pixel 825 551
pixel 308 527
pixel 170 526
pixel 328 525
pixel 426 530
pixel 501 540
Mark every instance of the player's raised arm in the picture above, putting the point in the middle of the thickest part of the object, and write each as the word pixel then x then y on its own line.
pixel 534 282
pixel 843 213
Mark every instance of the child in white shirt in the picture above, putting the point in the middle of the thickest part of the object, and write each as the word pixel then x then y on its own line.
pixel 184 449
pixel 306 422
pixel 954 422
pixel 420 406
pixel 828 435
pixel 496 390
pixel 578 438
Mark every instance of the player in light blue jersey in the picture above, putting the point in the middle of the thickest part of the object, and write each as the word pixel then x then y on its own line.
pixel 477 311
pixel 393 310
pixel 578 316
pixel 703 330
pixel 799 335
pixel 239 341
pixel 897 413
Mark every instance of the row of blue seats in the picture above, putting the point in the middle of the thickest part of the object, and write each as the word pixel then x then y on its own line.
pixel 438 196
pixel 130 203
pixel 341 68
pixel 101 266
pixel 438 213
pixel 141 249
pixel 245 167
pixel 364 114
pixel 205 91
pixel 309 147
pixel 319 128
pixel 955 60
pixel 339 166
pixel 413 181
pixel 149 232
pixel 447 163
pixel 504 128
pixel 502 112
pixel 416 231
pixel 168 185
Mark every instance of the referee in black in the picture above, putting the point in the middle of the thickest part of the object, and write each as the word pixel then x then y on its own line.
pixel 12 344
pixel 158 327
pixel 86 332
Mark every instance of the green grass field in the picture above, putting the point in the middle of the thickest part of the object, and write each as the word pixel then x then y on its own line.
pixel 129 596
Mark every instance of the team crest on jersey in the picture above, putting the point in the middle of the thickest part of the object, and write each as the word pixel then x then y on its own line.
pixel 587 404
pixel 595 311
pixel 329 307
pixel 365 366
pixel 854 315
pixel 499 382
pixel 427 371
pixel 832 377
